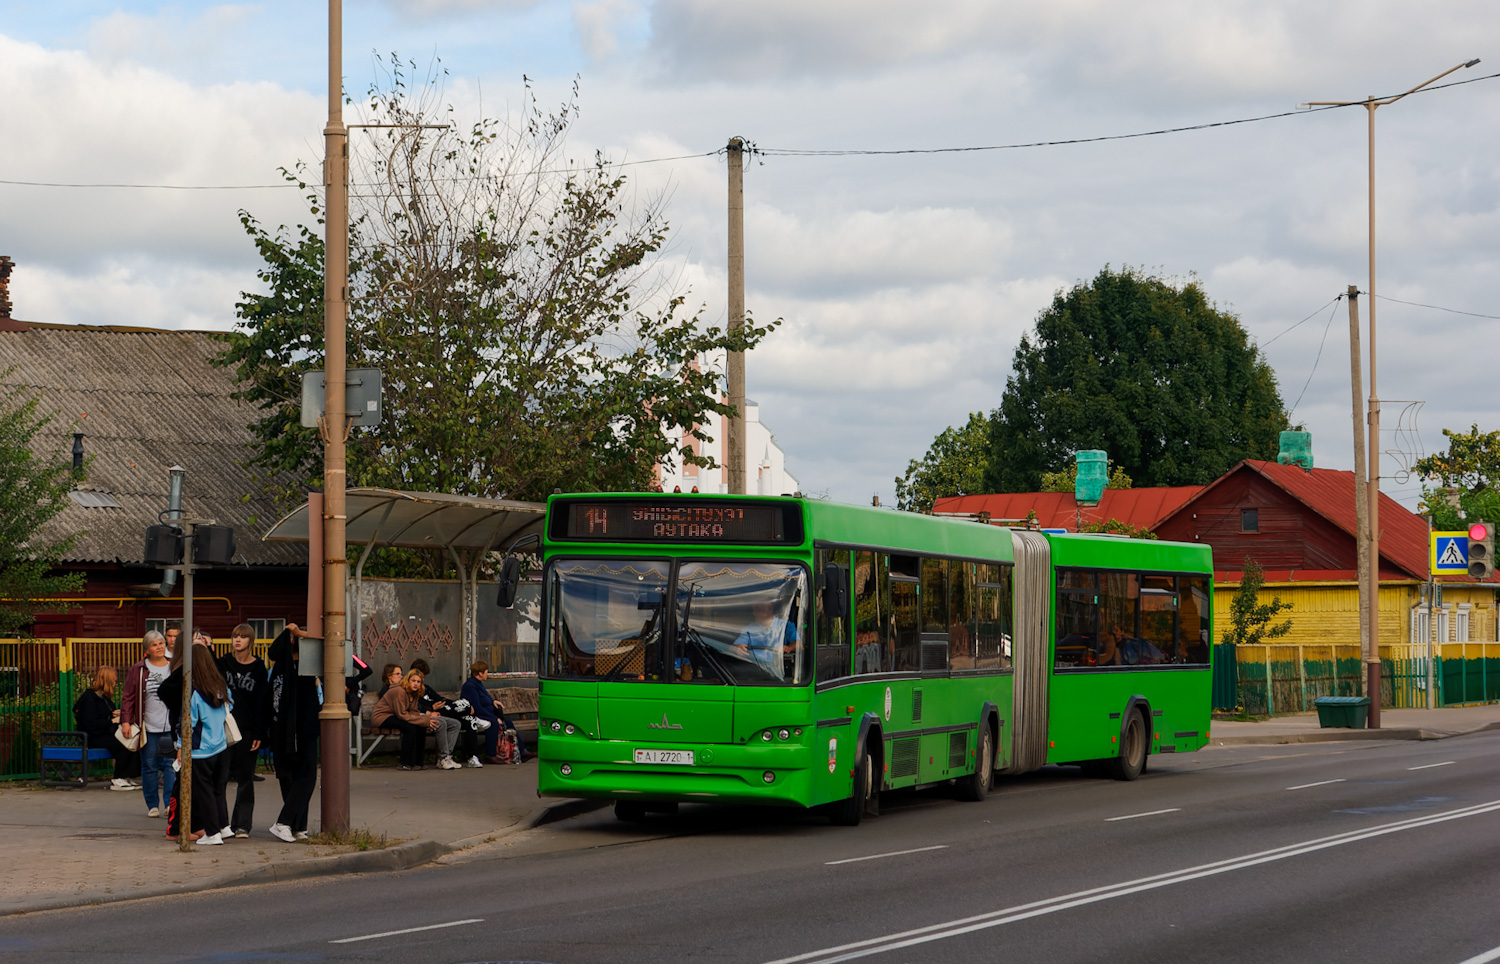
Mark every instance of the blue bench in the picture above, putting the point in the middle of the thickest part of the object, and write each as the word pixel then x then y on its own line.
pixel 66 758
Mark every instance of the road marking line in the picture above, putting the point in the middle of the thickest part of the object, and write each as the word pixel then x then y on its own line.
pixel 1148 813
pixel 1008 915
pixel 409 930
pixel 894 853
pixel 1320 783
pixel 1484 958
pixel 1429 766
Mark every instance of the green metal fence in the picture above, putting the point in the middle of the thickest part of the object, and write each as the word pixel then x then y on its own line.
pixel 1280 679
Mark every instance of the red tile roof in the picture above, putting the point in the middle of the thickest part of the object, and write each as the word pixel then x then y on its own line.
pixel 1059 510
pixel 1330 493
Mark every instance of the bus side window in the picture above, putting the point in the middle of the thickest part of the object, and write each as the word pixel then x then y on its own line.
pixel 1158 633
pixel 906 624
pixel 1193 610
pixel 868 611
pixel 961 633
pixel 992 623
pixel 1077 618
pixel 833 651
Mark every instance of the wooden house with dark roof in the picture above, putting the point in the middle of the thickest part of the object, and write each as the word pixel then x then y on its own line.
pixel 144 400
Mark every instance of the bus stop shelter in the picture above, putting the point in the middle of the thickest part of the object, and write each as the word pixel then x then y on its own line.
pixel 467 527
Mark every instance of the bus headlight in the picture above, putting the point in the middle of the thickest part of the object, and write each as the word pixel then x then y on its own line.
pixel 556 727
pixel 566 769
pixel 570 729
pixel 766 736
pixel 784 733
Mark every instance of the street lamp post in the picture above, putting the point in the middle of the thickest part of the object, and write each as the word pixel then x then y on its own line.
pixel 1371 590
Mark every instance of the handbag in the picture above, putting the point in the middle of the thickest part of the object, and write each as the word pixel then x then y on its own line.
pixel 132 742
pixel 231 730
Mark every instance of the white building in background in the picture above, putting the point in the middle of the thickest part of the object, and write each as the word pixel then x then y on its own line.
pixel 765 463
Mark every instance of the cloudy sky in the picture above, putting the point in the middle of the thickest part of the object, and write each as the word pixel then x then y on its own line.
pixel 905 281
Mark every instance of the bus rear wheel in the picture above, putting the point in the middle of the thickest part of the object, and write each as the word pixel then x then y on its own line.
pixel 847 812
pixel 1132 759
pixel 976 785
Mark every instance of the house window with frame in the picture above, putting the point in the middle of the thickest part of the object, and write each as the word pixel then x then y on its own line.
pixel 1249 520
pixel 1461 624
pixel 267 628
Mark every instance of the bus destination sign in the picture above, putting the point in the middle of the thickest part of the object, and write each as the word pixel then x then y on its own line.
pixel 675 521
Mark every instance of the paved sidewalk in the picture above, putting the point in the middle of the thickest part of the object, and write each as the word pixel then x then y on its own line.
pixel 1394 725
pixel 69 847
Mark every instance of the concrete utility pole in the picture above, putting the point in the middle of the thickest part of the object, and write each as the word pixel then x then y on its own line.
pixel 334 717
pixel 736 366
pixel 1372 659
pixel 1361 492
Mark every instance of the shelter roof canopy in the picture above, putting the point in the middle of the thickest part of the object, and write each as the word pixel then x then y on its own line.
pixel 422 520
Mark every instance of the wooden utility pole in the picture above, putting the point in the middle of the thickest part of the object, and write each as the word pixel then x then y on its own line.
pixel 1361 490
pixel 334 716
pixel 736 364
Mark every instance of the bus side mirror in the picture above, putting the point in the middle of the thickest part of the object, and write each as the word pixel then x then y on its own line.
pixel 510 581
pixel 835 591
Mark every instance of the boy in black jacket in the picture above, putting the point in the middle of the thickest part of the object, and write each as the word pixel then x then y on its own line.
pixel 247 677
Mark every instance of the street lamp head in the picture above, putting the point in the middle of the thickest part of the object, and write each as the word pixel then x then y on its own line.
pixel 1304 106
pixel 1472 62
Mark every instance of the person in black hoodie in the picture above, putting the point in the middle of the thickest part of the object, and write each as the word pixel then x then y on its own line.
pixel 95 714
pixel 292 732
pixel 247 678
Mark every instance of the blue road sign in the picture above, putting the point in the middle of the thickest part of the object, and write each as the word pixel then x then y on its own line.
pixel 1450 553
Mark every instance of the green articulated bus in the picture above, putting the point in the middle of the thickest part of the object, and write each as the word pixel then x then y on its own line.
pixel 800 653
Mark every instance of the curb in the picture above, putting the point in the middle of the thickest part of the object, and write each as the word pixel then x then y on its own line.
pixel 406 856
pixel 1341 735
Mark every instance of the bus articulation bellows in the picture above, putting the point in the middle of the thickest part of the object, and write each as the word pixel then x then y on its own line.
pixel 800 653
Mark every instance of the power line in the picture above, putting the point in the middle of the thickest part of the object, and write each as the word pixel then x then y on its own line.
pixel 1325 304
pixel 1326 326
pixel 790 152
pixel 1451 311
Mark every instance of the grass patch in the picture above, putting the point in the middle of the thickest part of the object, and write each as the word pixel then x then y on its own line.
pixel 359 839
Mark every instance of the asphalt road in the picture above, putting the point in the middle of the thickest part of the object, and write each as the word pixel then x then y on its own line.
pixel 1365 852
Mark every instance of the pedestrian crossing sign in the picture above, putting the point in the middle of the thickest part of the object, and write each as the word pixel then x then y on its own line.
pixel 1450 553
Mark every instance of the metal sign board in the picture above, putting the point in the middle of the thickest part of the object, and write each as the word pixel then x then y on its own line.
pixel 1449 553
pixel 361 397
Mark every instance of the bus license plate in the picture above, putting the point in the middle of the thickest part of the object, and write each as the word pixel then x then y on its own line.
pixel 677 757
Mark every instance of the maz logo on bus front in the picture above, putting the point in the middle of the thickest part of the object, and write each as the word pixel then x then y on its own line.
pixel 664 724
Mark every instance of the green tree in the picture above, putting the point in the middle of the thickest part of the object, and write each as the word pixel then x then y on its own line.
pixel 1249 618
pixel 1150 371
pixel 953 465
pixel 34 484
pixel 1471 469
pixel 515 302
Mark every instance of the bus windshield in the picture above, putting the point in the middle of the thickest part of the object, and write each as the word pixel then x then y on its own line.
pixel 741 622
pixel 733 622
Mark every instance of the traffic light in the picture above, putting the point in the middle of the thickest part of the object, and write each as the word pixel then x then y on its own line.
pixel 1481 550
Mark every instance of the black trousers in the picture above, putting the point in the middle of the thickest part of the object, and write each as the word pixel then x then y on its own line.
pixel 298 775
pixel 210 783
pixel 413 741
pixel 242 774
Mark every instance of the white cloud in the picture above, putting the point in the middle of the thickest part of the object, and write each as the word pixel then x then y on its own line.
pixel 168 37
pixel 599 24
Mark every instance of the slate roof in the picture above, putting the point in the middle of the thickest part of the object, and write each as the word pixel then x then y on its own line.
pixel 145 399
pixel 1060 510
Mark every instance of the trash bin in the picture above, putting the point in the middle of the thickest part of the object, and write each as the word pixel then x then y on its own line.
pixel 1342 711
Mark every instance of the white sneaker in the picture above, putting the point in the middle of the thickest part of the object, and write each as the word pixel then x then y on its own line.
pixel 119 784
pixel 282 832
pixel 474 762
pixel 210 840
pixel 448 763
pixel 153 812
pixel 300 835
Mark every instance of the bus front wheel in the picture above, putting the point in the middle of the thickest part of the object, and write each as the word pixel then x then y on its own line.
pixel 847 812
pixel 1132 759
pixel 977 784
